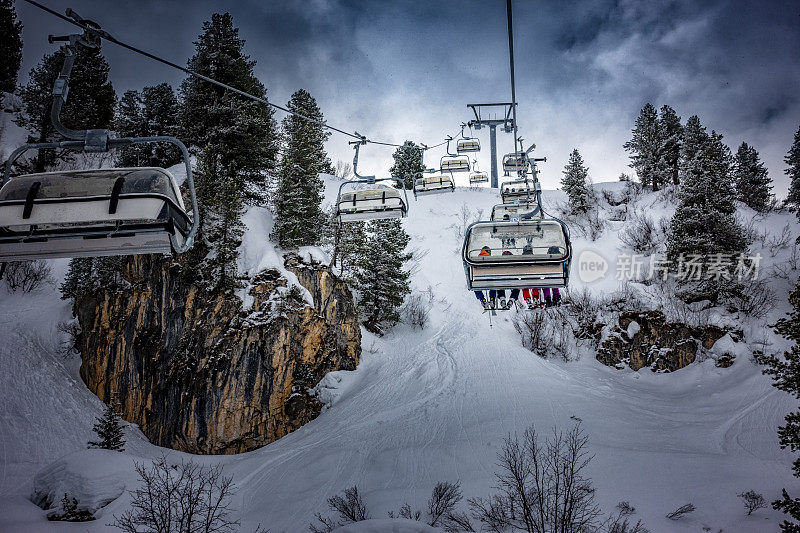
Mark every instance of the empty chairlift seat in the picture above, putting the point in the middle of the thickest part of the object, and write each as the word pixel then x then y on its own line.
pixel 508 255
pixel 433 185
pixel 515 162
pixel 478 177
pixel 464 146
pixel 371 204
pixel 454 164
pixel 91 213
pixel 519 190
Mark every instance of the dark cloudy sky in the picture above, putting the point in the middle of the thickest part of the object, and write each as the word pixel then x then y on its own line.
pixel 405 69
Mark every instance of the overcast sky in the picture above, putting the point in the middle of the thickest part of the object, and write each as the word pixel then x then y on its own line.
pixel 405 69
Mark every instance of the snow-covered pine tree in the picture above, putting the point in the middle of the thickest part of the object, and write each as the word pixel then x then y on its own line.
pixel 670 136
pixel 236 142
pixel 129 122
pixel 575 183
pixel 785 372
pixel 704 223
pixel 381 280
pixel 10 46
pixel 644 147
pixel 160 117
pixel 109 430
pixel 407 162
pixel 299 215
pixel 753 183
pixel 91 101
pixel 793 171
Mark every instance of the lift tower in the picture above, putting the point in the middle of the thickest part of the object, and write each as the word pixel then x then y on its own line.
pixel 493 120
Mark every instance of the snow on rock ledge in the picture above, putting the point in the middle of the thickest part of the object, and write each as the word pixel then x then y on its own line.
pixel 646 339
pixel 93 477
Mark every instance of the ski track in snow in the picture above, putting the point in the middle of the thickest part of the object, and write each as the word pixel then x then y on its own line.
pixel 434 405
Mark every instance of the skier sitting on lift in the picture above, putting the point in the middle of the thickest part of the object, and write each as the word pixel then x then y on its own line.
pixel 485 252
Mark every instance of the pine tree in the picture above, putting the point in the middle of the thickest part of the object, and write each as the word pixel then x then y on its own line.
pixel 109 431
pixel 10 46
pixel 160 117
pixel 752 181
pixel 348 242
pixel 129 122
pixel 575 183
pixel 90 104
pixel 644 147
pixel 670 136
pixel 793 171
pixel 300 190
pixel 236 142
pixel 407 163
pixel 382 282
pixel 704 223
pixel 785 372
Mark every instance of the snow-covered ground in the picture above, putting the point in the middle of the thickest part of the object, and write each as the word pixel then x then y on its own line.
pixel 432 405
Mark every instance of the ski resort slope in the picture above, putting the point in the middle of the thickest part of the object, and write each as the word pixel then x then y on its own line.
pixel 434 405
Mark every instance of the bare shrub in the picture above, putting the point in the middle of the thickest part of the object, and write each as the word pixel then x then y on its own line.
pixel 583 309
pixel 27 275
pixel 753 501
pixel 416 310
pixel 776 243
pixel 788 269
pixel 69 511
pixel 642 235
pixel 549 334
pixel 753 298
pixel 349 507
pixel 464 218
pixel 541 485
pixel 625 508
pixel 176 498
pixel 68 342
pixel 343 170
pixel 681 511
pixel 440 510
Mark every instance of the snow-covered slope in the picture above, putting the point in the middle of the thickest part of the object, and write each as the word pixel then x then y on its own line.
pixel 433 405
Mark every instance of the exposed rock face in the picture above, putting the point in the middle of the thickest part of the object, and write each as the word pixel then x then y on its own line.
pixel 647 339
pixel 199 373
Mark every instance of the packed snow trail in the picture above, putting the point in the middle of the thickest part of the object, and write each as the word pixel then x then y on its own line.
pixel 434 405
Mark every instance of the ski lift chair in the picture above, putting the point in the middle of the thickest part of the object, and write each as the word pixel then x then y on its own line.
pixel 454 163
pixel 372 201
pixel 515 211
pixel 522 254
pixel 478 177
pixel 438 183
pixel 118 211
pixel 468 145
pixel 515 162
pixel 375 203
pixel 523 189
pixel 84 213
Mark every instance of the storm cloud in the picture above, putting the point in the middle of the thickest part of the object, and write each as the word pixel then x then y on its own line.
pixel 405 69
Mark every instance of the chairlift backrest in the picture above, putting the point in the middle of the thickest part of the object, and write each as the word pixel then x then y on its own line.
pixel 454 164
pixel 468 145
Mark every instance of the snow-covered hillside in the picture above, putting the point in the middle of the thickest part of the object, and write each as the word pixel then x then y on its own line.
pixel 432 405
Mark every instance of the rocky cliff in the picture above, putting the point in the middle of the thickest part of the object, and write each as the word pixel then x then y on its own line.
pixel 199 372
pixel 647 339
